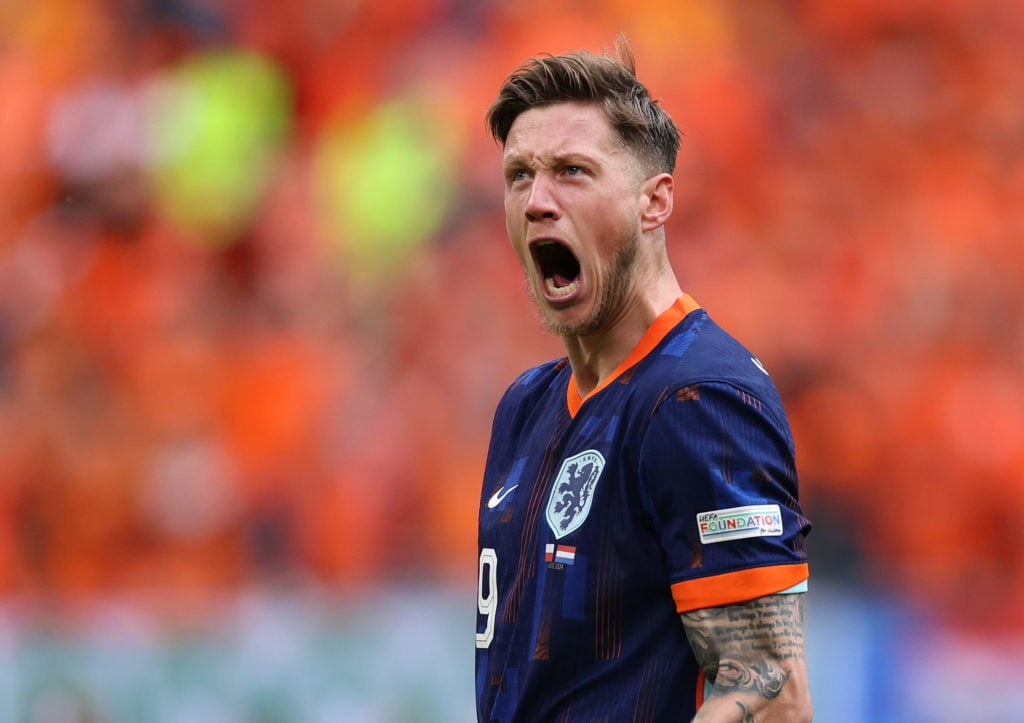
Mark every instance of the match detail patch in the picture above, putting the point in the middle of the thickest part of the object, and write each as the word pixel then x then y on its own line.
pixel 560 553
pixel 737 523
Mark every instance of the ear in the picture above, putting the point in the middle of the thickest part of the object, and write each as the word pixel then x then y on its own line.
pixel 657 201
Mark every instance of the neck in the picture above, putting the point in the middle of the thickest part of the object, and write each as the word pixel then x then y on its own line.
pixel 595 357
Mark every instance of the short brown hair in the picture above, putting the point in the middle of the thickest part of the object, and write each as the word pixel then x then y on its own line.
pixel 642 124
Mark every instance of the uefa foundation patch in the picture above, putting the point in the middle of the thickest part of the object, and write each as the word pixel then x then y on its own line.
pixel 737 523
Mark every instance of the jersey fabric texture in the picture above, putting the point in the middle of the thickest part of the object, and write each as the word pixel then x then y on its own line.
pixel 671 487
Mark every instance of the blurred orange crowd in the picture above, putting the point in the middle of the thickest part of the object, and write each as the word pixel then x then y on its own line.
pixel 277 363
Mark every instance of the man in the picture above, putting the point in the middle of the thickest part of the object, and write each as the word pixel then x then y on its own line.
pixel 641 545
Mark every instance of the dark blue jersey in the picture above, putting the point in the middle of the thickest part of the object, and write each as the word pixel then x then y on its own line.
pixel 670 487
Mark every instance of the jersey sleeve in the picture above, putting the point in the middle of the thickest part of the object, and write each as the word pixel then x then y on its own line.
pixel 718 480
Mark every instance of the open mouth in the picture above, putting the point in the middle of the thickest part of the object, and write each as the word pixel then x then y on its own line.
pixel 559 268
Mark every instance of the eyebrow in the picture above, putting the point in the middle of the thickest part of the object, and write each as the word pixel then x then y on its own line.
pixel 571 158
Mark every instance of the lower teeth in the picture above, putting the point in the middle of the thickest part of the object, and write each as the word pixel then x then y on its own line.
pixel 560 290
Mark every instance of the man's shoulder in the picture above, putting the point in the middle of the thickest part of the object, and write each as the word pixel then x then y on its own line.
pixel 536 381
pixel 703 352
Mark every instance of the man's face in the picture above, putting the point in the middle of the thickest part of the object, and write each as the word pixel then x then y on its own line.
pixel 572 207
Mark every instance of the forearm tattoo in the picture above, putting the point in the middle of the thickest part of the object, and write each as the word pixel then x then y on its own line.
pixel 741 648
pixel 748 717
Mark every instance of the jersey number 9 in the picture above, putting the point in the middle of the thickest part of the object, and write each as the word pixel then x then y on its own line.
pixel 487 595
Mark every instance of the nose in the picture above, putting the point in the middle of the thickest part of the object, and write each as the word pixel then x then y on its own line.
pixel 542 202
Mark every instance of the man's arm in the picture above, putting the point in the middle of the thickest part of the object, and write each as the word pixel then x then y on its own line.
pixel 752 653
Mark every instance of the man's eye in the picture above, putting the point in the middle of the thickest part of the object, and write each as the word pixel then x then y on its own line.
pixel 573 170
pixel 519 175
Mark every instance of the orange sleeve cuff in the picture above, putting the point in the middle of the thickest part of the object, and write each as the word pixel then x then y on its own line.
pixel 734 587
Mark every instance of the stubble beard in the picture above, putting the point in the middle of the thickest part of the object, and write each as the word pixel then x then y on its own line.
pixel 613 296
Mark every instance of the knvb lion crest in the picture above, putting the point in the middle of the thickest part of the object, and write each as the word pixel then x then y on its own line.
pixel 573 492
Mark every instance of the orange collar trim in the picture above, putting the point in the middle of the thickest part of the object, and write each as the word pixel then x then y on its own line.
pixel 661 326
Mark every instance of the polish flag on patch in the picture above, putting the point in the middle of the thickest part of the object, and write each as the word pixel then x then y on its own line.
pixel 549 553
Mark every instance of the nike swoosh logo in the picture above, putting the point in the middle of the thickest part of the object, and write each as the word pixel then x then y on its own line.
pixel 498 496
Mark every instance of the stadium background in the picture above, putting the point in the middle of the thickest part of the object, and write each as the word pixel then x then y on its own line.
pixel 256 308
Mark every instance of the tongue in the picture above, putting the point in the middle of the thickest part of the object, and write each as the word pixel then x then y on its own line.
pixel 561 281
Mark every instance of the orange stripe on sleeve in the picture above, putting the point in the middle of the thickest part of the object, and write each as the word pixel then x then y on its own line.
pixel 734 587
